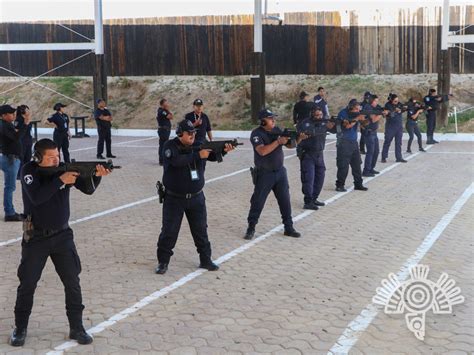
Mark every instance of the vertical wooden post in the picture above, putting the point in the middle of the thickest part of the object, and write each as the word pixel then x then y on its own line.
pixel 444 84
pixel 257 87
pixel 99 79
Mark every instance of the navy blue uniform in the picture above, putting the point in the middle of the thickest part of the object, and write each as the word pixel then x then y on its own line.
pixel 371 141
pixel 348 153
pixel 60 134
pixel 271 176
pixel 46 199
pixel 302 110
pixel 26 140
pixel 164 130
pixel 432 104
pixel 311 154
pixel 393 129
pixel 104 132
pixel 183 178
pixel 321 102
pixel 202 129
pixel 412 127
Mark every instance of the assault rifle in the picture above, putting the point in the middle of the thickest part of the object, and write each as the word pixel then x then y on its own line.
pixel 84 168
pixel 215 146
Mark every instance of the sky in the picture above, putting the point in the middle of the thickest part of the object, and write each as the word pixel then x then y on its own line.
pixel 32 10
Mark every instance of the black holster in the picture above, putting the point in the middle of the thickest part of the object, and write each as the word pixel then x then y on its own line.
pixel 254 174
pixel 160 189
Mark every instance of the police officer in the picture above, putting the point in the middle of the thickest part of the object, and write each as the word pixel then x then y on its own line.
pixel 370 135
pixel 61 134
pixel 22 112
pixel 310 150
pixel 47 234
pixel 320 100
pixel 302 108
pixel 10 154
pixel 183 179
pixel 393 128
pixel 164 117
pixel 200 120
pixel 432 102
pixel 348 153
pixel 269 173
pixel 413 113
pixel 103 119
pixel 365 100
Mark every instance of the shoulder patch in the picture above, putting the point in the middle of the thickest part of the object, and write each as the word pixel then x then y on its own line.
pixel 28 179
pixel 168 153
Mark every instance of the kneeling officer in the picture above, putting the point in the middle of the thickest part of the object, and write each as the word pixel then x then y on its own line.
pixel 47 234
pixel 183 179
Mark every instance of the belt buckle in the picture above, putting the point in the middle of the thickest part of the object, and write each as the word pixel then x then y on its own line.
pixel 188 196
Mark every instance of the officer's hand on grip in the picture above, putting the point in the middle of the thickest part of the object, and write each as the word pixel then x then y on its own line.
pixel 283 140
pixel 69 177
pixel 228 148
pixel 204 153
pixel 101 171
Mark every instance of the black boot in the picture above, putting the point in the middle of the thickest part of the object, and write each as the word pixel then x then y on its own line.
pixel 421 149
pixel 291 232
pixel 208 264
pixel 310 206
pixel 360 188
pixel 18 337
pixel 80 335
pixel 319 203
pixel 249 234
pixel 340 189
pixel 161 268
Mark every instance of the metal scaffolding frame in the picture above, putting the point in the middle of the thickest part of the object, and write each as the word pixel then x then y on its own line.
pixel 95 45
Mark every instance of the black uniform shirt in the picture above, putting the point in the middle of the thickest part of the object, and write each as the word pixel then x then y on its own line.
pixel 272 161
pixel 102 112
pixel 19 123
pixel 302 110
pixel 10 139
pixel 178 163
pixel 47 198
pixel 61 120
pixel 372 126
pixel 393 118
pixel 317 135
pixel 161 117
pixel 202 129
pixel 411 111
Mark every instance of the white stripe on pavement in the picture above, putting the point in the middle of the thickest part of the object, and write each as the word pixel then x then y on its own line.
pixel 354 329
pixel 58 350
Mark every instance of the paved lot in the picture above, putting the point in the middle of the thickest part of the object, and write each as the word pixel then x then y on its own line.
pixel 274 295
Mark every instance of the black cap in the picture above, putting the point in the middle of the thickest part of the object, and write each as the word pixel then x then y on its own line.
pixel 266 113
pixel 98 101
pixel 198 102
pixel 316 108
pixel 6 109
pixel 58 106
pixel 367 94
pixel 185 126
pixel 303 94
pixel 353 103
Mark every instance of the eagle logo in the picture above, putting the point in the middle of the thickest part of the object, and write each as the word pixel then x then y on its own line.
pixel 418 295
pixel 28 179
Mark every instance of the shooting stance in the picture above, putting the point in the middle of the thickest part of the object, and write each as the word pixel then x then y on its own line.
pixel 46 233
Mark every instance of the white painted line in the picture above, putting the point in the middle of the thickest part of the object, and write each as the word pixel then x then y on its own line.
pixel 139 202
pixel 182 281
pixel 354 329
pixel 114 144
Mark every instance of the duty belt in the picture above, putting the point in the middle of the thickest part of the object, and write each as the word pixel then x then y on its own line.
pixel 49 232
pixel 185 196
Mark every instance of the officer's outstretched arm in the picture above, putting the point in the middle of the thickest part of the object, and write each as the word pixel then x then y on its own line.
pixel 87 184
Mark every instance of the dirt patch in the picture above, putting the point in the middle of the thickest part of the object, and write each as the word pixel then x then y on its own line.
pixel 134 100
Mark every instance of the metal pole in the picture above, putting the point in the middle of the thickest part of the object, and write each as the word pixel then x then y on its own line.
pixel 456 119
pixel 98 27
pixel 100 76
pixel 257 27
